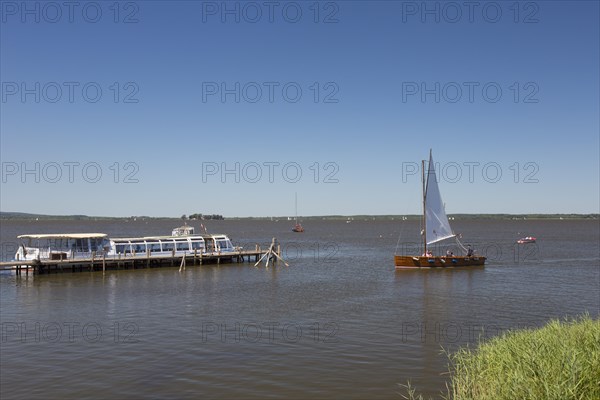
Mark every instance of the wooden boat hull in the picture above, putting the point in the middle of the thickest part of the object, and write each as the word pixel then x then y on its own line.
pixel 416 262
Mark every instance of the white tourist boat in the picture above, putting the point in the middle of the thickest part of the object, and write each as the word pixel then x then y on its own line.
pixel 73 246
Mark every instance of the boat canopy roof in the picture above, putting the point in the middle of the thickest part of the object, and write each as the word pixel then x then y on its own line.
pixel 147 238
pixel 64 236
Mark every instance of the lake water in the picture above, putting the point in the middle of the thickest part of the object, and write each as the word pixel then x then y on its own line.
pixel 339 322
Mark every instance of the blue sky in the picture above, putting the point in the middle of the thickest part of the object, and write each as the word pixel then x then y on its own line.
pixel 190 106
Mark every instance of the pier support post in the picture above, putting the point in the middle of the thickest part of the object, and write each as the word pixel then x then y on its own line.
pixel 182 265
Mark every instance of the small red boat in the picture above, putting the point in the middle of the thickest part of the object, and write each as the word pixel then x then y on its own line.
pixel 298 228
pixel 526 239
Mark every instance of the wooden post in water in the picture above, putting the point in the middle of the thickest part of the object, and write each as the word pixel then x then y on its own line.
pixel 271 254
pixel 147 258
pixel 195 255
pixel 92 263
pixel 103 263
pixel 172 256
pixel 182 265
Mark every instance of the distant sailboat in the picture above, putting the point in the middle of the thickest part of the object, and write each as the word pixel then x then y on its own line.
pixel 435 229
pixel 298 227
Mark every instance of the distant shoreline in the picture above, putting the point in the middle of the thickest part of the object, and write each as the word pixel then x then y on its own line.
pixel 28 217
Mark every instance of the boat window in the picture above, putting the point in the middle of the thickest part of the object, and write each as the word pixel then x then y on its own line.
pixel 224 244
pixel 140 248
pixel 182 246
pixel 154 247
pixel 81 245
pixel 196 244
pixel 168 246
pixel 54 244
pixel 123 248
pixel 97 243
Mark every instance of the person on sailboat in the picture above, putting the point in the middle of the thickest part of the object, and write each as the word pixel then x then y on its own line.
pixel 449 253
pixel 470 251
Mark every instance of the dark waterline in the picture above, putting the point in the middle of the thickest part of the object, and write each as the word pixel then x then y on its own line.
pixel 339 322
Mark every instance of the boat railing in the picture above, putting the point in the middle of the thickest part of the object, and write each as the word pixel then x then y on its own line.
pixel 48 253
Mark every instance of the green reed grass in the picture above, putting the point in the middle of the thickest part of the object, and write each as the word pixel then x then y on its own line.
pixel 558 361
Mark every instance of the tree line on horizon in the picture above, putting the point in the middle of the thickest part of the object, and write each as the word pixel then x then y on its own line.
pixel 198 216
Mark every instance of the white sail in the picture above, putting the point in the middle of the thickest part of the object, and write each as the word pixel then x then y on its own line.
pixel 438 227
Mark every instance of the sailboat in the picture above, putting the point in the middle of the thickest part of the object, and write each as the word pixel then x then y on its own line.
pixel 435 228
pixel 298 227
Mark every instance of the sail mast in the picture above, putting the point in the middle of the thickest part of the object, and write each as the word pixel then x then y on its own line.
pixel 424 209
pixel 296 206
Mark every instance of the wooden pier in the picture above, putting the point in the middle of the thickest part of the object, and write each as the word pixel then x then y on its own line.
pixel 129 261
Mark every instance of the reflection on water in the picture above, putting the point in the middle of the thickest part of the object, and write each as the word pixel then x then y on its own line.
pixel 339 322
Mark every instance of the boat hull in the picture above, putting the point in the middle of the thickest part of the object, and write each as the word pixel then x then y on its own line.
pixel 418 262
